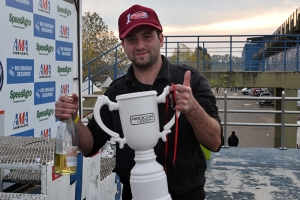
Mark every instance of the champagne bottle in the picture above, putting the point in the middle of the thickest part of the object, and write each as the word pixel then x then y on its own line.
pixel 66 148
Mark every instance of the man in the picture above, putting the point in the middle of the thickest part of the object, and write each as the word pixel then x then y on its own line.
pixel 141 35
pixel 233 140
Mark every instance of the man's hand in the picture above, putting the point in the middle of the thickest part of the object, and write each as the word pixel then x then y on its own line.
pixel 185 101
pixel 66 106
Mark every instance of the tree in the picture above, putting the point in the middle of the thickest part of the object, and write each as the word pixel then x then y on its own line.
pixel 220 85
pixel 222 62
pixel 181 54
pixel 203 57
pixel 184 55
pixel 96 40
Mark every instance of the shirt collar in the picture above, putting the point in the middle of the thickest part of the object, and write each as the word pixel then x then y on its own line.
pixel 163 73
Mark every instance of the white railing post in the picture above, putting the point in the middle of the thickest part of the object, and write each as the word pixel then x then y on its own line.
pixel 225 119
pixel 282 123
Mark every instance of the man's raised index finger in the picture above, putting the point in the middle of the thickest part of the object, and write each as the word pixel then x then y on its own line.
pixel 187 78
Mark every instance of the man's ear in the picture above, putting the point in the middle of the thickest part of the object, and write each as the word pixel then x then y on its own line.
pixel 122 43
pixel 161 39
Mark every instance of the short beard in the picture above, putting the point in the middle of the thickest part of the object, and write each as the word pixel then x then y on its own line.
pixel 145 64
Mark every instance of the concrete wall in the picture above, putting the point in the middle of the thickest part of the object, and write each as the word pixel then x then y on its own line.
pixel 259 79
pixel 278 82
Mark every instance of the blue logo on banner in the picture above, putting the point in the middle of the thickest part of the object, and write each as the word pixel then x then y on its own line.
pixel 1 76
pixel 20 71
pixel 44 92
pixel 64 51
pixel 29 133
pixel 21 4
pixel 44 27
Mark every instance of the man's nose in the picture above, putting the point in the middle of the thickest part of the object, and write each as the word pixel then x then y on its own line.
pixel 140 44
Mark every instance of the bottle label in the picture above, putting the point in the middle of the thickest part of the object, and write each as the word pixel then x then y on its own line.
pixel 71 161
pixel 72 152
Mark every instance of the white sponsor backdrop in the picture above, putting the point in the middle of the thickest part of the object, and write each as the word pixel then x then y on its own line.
pixel 38 54
pixel 39 62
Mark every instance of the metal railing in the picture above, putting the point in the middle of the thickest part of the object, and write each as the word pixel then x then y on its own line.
pixel 226 111
pixel 235 52
pixel 282 112
pixel 208 53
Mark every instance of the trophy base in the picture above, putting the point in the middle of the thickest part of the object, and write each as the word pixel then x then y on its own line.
pixel 148 180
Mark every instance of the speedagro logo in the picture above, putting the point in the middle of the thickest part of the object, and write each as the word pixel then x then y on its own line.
pixel 44 115
pixel 44 49
pixel 64 71
pixel 64 12
pixel 19 22
pixel 20 96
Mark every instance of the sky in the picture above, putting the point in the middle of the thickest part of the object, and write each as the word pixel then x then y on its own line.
pixel 196 17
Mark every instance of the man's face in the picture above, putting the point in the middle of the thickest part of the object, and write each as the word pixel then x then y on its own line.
pixel 142 46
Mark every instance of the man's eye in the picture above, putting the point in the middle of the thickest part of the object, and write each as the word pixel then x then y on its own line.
pixel 130 39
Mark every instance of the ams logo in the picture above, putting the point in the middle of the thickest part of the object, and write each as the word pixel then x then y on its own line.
pixel 20 47
pixel 21 120
pixel 45 71
pixel 64 89
pixel 64 32
pixel 44 6
pixel 46 133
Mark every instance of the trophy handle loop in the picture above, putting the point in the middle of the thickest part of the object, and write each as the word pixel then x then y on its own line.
pixel 162 99
pixel 104 100
pixel 167 127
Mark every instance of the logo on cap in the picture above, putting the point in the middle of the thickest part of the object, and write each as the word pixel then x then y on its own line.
pixel 137 15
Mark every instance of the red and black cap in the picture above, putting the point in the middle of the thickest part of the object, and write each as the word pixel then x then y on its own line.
pixel 135 16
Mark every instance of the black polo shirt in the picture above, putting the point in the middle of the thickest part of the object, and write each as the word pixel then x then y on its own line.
pixel 188 172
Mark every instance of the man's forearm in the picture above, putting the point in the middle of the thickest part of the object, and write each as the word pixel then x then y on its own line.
pixel 85 139
pixel 206 128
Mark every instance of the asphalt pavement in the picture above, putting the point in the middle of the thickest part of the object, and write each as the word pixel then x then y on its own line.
pixel 249 136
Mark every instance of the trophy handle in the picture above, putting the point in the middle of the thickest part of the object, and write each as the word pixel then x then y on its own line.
pixel 162 99
pixel 104 100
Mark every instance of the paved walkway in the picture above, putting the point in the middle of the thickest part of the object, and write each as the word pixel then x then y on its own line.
pixel 242 173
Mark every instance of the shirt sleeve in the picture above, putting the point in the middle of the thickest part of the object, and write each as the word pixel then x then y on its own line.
pixel 100 137
pixel 202 92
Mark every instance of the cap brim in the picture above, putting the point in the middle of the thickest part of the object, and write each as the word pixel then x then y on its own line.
pixel 123 35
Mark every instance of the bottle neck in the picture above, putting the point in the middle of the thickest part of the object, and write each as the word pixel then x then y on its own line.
pixel 68 121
